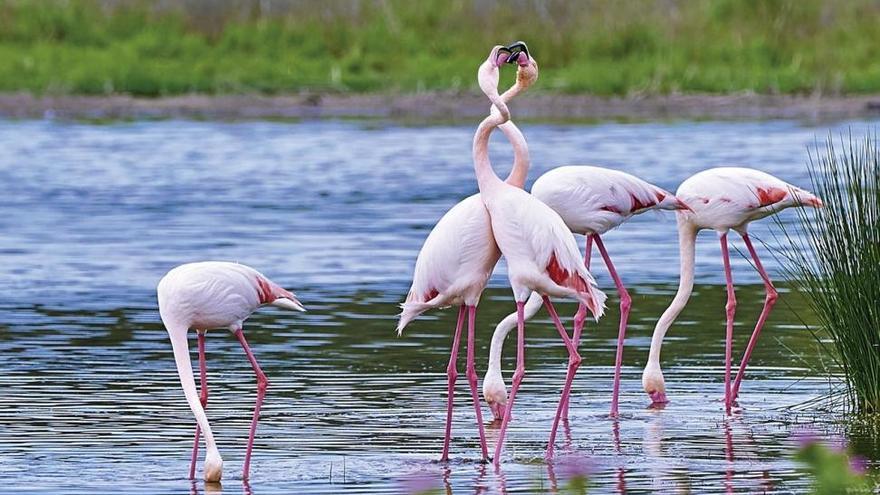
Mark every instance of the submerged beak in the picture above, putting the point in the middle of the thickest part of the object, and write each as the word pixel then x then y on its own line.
pixel 497 410
pixel 288 303
pixel 658 398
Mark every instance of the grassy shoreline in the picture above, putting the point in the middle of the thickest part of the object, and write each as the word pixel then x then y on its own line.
pixel 601 47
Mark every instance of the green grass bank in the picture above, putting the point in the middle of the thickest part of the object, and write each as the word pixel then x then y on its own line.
pixel 602 47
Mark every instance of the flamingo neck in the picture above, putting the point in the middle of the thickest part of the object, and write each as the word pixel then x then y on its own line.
pixel 533 304
pixel 687 237
pixel 487 180
pixel 521 159
pixel 487 77
pixel 179 344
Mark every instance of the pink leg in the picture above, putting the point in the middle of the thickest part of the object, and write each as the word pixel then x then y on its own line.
pixel 203 374
pixel 580 317
pixel 472 378
pixel 262 384
pixel 731 310
pixel 769 301
pixel 574 361
pixel 517 376
pixel 625 304
pixel 452 375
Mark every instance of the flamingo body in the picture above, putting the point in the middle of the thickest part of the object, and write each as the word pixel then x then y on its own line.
pixel 455 262
pixel 594 200
pixel 721 199
pixel 541 253
pixel 591 201
pixel 724 198
pixel 215 294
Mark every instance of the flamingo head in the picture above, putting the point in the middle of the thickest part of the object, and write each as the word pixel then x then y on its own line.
pixel 495 393
pixel 653 383
pixel 527 66
pixel 672 202
pixel 213 467
pixel 800 197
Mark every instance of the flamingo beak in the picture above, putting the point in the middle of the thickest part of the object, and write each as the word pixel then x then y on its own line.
pixel 682 205
pixel 502 56
pixel 516 49
pixel 290 303
pixel 497 410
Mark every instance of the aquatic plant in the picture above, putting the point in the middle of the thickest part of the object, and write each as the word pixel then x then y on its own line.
pixel 835 261
pixel 833 469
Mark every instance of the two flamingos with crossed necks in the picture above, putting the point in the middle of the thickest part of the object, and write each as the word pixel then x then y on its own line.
pixel 458 257
pixel 542 254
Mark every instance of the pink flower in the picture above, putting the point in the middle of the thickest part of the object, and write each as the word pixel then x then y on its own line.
pixel 420 483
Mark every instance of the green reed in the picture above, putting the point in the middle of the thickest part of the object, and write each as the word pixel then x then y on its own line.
pixel 151 47
pixel 835 260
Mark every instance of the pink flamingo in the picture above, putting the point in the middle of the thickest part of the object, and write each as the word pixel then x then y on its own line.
pixel 457 259
pixel 541 253
pixel 722 199
pixel 591 201
pixel 215 294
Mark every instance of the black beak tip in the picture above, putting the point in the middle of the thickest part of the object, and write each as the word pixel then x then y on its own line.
pixel 515 49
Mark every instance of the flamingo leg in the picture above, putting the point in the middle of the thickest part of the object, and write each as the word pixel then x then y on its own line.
pixel 203 398
pixel 452 375
pixel 472 378
pixel 731 310
pixel 517 377
pixel 574 361
pixel 262 385
pixel 625 304
pixel 580 317
pixel 769 301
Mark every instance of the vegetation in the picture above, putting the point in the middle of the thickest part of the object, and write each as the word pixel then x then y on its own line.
pixel 835 261
pixel 598 46
pixel 833 469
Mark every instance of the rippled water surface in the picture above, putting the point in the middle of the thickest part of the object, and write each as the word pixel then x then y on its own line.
pixel 93 215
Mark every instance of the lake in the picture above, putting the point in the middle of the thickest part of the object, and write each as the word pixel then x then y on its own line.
pixel 92 216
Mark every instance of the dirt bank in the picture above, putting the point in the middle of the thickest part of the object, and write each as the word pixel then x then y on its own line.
pixel 440 106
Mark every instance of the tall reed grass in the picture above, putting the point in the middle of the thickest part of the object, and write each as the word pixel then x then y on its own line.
pixel 835 260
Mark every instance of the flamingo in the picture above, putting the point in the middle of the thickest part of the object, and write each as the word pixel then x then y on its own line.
pixel 542 254
pixel 457 259
pixel 721 199
pixel 215 294
pixel 591 201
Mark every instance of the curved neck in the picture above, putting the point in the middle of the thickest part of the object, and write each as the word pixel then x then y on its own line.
pixel 180 346
pixel 521 159
pixel 687 237
pixel 504 327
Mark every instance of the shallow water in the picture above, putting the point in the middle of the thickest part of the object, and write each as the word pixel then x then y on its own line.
pixel 93 215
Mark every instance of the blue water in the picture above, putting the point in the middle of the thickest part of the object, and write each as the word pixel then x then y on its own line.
pixel 93 215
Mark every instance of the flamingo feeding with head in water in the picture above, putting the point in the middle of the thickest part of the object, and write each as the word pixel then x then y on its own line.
pixel 541 253
pixel 721 199
pixel 591 201
pixel 215 294
pixel 457 259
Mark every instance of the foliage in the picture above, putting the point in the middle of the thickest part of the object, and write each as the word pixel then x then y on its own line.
pixel 834 471
pixel 835 261
pixel 596 46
